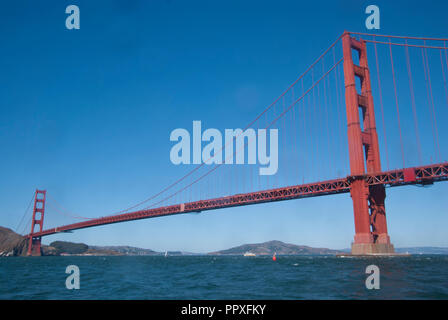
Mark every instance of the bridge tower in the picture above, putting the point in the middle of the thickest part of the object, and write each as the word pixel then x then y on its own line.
pixel 368 202
pixel 34 243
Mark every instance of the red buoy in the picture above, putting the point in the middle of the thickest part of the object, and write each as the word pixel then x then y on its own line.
pixel 273 257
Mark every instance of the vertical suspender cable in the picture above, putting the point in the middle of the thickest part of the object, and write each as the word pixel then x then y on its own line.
pixel 396 102
pixel 326 117
pixel 338 126
pixel 444 77
pixel 429 101
pixel 432 103
pixel 414 112
pixel 382 106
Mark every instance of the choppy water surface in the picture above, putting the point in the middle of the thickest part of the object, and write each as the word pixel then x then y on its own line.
pixel 224 277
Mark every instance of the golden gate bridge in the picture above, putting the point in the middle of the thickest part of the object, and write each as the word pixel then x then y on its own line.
pixel 326 150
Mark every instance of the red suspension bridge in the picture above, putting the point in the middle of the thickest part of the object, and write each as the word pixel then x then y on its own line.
pixel 407 83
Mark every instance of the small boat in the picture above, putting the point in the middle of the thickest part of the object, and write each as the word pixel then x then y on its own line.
pixel 249 254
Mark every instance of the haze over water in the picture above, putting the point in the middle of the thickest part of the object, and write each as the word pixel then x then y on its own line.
pixel 224 277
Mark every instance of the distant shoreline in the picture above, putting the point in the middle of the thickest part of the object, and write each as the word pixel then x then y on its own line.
pixel 13 244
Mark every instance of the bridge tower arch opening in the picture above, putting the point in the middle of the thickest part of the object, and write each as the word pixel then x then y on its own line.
pixel 368 201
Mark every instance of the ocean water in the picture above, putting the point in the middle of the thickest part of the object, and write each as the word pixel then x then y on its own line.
pixel 224 277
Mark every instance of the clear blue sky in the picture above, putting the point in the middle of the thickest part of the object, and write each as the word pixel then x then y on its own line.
pixel 87 114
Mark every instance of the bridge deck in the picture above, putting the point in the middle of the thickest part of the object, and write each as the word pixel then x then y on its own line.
pixel 393 178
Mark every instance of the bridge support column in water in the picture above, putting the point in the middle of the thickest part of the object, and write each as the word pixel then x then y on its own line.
pixel 371 235
pixel 34 244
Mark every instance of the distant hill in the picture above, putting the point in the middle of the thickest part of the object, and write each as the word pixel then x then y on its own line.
pixel 14 244
pixel 126 250
pixel 134 251
pixel 11 243
pixel 69 247
pixel 271 247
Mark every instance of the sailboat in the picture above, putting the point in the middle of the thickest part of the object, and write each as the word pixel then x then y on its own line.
pixel 166 254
